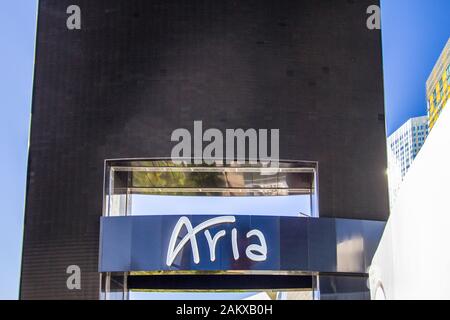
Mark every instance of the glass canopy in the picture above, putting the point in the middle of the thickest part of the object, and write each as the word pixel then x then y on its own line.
pixel 159 187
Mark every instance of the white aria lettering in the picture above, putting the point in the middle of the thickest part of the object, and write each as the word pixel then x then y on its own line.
pixel 254 252
pixel 212 242
pixel 234 244
pixel 254 248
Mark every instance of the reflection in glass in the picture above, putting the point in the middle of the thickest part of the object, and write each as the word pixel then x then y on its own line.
pixel 160 187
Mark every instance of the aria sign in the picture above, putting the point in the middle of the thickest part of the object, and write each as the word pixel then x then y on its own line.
pixel 236 243
pixel 254 252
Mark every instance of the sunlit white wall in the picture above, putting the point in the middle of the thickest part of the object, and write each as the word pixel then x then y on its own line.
pixel 413 258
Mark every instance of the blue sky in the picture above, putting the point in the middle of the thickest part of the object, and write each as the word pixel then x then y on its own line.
pixel 414 33
pixel 17 33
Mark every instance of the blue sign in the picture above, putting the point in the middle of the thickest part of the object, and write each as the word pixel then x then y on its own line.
pixel 236 243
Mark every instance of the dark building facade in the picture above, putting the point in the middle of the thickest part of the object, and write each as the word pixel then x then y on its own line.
pixel 139 69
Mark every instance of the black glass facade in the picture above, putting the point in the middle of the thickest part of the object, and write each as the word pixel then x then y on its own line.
pixel 139 69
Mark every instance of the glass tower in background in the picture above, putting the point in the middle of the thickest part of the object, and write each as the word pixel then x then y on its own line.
pixel 403 146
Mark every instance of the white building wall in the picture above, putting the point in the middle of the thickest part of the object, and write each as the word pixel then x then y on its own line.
pixel 413 258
